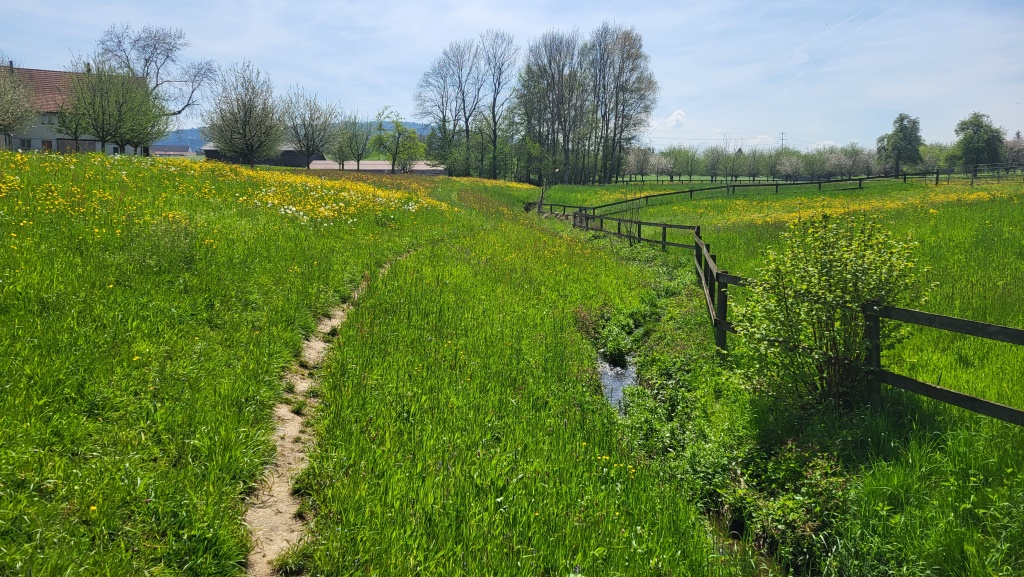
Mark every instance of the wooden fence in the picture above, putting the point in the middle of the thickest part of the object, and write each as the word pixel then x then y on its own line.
pixel 715 282
pixel 986 172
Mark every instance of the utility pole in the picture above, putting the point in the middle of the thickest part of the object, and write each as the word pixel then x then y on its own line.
pixel 782 137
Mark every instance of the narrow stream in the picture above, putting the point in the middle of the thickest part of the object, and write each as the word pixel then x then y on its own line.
pixel 615 379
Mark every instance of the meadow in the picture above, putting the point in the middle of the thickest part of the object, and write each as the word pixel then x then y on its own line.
pixel 919 488
pixel 153 305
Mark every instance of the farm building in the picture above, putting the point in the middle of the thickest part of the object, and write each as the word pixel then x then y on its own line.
pixel 49 89
pixel 287 156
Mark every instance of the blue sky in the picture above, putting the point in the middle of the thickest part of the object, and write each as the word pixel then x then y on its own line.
pixel 822 72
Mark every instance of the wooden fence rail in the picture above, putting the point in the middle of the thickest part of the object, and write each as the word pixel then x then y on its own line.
pixel 715 282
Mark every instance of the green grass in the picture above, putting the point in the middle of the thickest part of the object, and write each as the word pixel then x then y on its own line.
pixel 918 489
pixel 151 307
pixel 148 314
pixel 462 431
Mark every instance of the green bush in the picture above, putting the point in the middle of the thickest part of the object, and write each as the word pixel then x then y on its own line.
pixel 802 328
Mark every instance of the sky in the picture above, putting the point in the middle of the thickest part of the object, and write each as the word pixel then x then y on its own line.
pixel 754 73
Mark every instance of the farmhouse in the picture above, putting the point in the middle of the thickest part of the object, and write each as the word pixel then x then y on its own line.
pixel 49 90
pixel 287 156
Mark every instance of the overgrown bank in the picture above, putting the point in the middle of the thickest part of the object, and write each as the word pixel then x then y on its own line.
pixel 836 488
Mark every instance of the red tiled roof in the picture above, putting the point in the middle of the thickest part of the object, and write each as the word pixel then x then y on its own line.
pixel 48 87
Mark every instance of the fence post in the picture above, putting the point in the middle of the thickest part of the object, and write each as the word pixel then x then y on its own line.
pixel 860 183
pixel 904 178
pixel 710 288
pixel 664 239
pixel 639 233
pixel 721 311
pixel 873 336
pixel 936 177
pixel 696 250
pixel 618 227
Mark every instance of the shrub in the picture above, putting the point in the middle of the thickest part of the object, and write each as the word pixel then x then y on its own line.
pixel 802 328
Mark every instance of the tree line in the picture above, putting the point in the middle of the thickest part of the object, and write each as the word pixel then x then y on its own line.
pixel 979 144
pixel 128 91
pixel 567 113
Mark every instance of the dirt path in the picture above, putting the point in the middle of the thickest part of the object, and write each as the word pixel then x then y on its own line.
pixel 272 515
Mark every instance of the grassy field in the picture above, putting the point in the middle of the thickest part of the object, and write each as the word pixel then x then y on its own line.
pixel 151 307
pixel 920 489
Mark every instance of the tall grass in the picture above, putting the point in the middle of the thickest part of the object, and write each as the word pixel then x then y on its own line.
pixel 462 430
pixel 931 489
pixel 148 309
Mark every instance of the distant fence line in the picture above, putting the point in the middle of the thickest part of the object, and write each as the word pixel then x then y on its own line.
pixel 715 282
pixel 983 173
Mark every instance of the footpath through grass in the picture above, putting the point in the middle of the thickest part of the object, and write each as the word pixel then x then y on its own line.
pixel 150 307
pixel 462 430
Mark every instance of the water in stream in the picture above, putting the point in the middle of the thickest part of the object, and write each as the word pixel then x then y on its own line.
pixel 615 379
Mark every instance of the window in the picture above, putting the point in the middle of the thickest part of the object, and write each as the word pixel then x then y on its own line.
pixel 26 144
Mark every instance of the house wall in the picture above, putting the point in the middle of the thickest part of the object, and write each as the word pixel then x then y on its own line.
pixel 45 131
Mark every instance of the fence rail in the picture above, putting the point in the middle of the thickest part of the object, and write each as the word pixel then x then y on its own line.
pixel 981 172
pixel 715 282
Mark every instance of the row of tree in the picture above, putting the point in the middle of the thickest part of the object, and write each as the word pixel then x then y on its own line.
pixel 249 123
pixel 979 144
pixel 567 113
pixel 137 81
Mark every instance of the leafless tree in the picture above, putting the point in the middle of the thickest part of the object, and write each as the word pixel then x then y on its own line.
pixel 244 118
pixel 309 124
pixel 17 112
pixel 499 55
pixel 158 55
pixel 553 93
pixel 467 75
pixel 437 102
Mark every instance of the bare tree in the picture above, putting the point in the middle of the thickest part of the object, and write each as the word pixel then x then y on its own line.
pixel 437 102
pixel 244 119
pixel 309 124
pixel 499 55
pixel 17 112
pixel 158 55
pixel 468 81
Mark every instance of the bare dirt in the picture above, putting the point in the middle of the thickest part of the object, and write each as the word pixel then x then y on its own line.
pixel 273 510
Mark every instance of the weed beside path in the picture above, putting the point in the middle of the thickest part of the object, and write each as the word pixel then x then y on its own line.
pixel 462 430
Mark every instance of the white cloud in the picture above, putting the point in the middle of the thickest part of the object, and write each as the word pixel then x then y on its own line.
pixel 675 120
